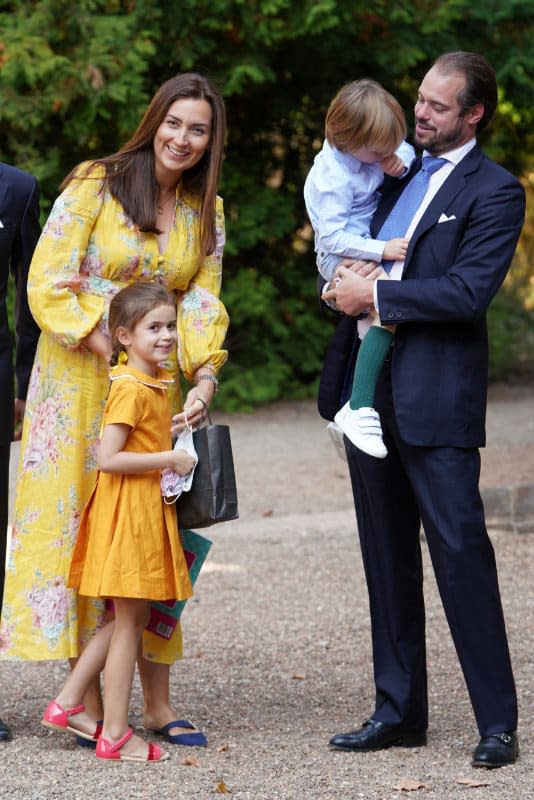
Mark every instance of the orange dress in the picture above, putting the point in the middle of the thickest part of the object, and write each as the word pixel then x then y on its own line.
pixel 127 543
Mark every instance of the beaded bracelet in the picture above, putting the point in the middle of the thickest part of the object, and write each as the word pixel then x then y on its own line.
pixel 208 377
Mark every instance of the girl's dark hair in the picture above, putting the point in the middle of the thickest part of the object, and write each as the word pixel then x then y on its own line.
pixel 130 305
pixel 480 82
pixel 130 174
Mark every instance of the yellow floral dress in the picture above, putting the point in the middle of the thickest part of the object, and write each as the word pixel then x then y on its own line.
pixel 89 249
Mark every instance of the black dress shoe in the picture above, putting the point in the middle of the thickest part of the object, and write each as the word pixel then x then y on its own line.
pixel 5 731
pixel 375 735
pixel 496 750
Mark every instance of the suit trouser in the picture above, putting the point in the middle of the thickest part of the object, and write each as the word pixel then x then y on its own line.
pixel 438 486
pixel 4 496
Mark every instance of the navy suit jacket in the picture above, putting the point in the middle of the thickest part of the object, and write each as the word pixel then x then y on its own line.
pixel 457 259
pixel 19 215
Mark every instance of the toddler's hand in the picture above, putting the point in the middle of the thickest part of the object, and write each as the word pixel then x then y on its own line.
pixel 182 462
pixel 395 250
pixel 393 165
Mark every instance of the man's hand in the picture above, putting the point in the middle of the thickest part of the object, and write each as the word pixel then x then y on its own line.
pixel 352 291
pixel 367 269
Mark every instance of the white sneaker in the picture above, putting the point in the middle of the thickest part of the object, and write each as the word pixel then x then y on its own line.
pixel 336 435
pixel 362 426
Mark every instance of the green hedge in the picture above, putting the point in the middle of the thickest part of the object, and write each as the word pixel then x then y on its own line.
pixel 76 78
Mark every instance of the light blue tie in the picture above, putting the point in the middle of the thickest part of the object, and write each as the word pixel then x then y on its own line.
pixel 399 218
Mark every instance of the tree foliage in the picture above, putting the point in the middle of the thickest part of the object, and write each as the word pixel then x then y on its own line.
pixel 75 79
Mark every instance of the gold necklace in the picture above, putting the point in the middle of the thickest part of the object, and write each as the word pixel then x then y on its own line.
pixel 161 207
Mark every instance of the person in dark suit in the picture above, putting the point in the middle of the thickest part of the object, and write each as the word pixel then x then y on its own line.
pixel 19 231
pixel 431 398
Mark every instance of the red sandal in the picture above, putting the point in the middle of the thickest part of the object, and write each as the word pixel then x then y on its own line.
pixel 111 750
pixel 57 718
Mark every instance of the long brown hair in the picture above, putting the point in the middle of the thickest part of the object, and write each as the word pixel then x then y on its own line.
pixel 130 172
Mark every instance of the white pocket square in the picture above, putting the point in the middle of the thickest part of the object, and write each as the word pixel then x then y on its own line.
pixel 445 218
pixel 1 224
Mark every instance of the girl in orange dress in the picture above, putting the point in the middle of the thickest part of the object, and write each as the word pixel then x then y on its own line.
pixel 127 548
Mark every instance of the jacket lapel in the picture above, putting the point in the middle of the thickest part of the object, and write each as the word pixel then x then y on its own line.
pixel 446 194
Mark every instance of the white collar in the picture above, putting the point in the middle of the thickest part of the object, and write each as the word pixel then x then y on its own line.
pixel 456 155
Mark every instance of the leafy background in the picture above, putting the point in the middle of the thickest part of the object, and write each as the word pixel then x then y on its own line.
pixel 75 79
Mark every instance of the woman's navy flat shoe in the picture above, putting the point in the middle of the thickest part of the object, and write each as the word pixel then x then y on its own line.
pixel 90 742
pixel 195 739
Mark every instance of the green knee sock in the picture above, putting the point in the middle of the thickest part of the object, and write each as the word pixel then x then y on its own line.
pixel 373 350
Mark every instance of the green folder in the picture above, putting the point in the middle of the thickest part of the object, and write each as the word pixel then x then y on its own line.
pixel 164 615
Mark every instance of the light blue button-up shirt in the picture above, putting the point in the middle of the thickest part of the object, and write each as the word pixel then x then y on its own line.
pixel 341 196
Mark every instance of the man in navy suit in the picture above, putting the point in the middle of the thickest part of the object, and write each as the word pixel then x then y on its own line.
pixel 431 398
pixel 19 231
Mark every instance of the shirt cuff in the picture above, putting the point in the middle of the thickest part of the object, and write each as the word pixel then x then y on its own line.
pixel 375 298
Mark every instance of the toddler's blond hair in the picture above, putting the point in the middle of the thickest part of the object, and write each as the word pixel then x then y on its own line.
pixel 364 114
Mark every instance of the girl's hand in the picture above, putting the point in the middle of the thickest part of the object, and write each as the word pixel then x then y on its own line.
pixel 97 343
pixel 182 462
pixel 74 284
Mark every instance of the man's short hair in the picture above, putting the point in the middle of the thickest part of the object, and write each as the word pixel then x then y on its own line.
pixel 480 82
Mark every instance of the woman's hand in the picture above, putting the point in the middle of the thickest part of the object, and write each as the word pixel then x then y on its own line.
pixel 196 403
pixel 97 343
pixel 193 414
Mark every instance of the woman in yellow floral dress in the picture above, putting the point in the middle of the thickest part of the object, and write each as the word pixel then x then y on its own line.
pixel 148 212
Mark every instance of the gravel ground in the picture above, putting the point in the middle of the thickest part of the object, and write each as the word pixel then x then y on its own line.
pixel 277 646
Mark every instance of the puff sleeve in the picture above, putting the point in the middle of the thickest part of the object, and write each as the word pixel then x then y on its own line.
pixel 202 319
pixel 53 282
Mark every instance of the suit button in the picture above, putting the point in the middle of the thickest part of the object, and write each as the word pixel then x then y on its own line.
pixel 391 315
pixel 398 314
